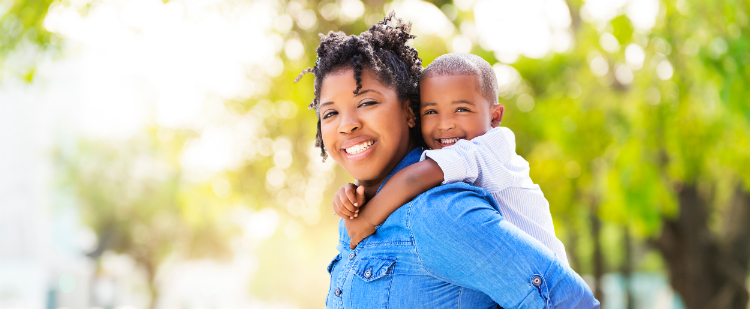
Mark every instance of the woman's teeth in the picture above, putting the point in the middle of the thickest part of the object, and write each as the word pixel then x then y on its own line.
pixel 449 140
pixel 359 148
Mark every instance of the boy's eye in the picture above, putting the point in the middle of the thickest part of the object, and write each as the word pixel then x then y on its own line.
pixel 462 109
pixel 429 112
pixel 329 113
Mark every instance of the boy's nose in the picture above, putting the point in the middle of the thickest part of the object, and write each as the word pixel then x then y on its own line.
pixel 446 124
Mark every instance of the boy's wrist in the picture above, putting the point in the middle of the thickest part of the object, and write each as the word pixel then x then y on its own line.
pixel 368 218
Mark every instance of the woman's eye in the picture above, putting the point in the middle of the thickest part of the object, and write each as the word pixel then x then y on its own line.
pixel 429 112
pixel 367 103
pixel 329 114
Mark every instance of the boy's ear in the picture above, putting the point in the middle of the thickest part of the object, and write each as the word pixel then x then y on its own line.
pixel 411 118
pixel 497 112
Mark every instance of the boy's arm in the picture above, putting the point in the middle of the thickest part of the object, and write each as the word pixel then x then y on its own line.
pixel 482 161
pixel 403 186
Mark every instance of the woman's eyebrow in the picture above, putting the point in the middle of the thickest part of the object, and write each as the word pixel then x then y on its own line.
pixel 361 92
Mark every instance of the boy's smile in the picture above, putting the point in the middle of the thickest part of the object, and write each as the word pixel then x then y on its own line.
pixel 453 108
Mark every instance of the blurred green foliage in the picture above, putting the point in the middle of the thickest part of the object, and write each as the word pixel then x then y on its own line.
pixel 605 152
pixel 133 196
pixel 21 21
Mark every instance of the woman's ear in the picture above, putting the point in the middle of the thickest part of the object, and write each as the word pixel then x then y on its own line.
pixel 411 118
pixel 497 112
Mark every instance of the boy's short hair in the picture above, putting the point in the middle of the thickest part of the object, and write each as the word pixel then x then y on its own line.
pixel 466 64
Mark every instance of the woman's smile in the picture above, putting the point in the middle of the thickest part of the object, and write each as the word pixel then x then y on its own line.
pixel 365 132
pixel 358 148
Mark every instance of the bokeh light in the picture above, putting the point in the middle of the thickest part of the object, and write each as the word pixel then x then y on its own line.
pixel 157 154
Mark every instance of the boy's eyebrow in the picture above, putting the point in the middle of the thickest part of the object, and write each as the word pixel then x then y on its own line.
pixel 454 102
pixel 462 102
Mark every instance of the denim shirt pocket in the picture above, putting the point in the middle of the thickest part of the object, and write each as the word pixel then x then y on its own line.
pixel 371 288
pixel 333 262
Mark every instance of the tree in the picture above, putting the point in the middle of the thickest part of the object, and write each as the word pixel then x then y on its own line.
pixel 23 23
pixel 133 195
pixel 663 152
pixel 648 154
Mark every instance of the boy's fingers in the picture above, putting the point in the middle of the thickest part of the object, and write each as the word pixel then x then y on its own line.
pixel 360 195
pixel 348 204
pixel 351 195
pixel 337 209
pixel 346 208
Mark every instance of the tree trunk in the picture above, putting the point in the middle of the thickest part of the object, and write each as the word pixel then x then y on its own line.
pixel 707 271
pixel 154 293
pixel 152 286
pixel 598 257
pixel 627 268
pixel 571 248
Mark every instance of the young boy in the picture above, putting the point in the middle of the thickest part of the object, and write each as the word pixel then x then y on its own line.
pixel 459 118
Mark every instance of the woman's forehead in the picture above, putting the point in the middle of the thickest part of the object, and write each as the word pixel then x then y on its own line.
pixel 343 84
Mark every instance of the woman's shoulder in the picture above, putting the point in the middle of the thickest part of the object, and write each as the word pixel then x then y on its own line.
pixel 459 192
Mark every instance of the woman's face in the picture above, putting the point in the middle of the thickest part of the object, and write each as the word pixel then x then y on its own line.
pixel 368 132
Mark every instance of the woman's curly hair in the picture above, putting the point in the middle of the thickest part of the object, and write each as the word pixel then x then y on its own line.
pixel 381 49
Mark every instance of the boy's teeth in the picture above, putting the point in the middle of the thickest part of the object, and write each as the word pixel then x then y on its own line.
pixel 359 148
pixel 448 140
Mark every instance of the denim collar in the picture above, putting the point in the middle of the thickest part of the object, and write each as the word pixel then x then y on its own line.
pixel 410 158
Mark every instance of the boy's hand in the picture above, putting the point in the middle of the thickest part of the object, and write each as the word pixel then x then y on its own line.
pixel 347 201
pixel 358 230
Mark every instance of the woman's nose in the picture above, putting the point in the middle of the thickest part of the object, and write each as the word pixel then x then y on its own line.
pixel 349 123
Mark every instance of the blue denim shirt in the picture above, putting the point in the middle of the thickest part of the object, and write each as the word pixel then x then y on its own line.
pixel 451 248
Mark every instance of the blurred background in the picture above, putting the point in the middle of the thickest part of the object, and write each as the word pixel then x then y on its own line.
pixel 156 154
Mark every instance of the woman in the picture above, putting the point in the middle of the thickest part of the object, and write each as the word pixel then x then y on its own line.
pixel 450 246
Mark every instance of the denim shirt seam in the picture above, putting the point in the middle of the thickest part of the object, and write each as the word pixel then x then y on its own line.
pixel 460 291
pixel 387 243
pixel 414 239
pixel 544 288
pixel 531 292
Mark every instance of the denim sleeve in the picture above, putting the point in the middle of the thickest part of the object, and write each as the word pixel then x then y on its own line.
pixel 462 239
pixel 480 161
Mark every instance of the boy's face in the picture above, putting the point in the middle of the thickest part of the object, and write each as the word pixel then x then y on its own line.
pixel 453 108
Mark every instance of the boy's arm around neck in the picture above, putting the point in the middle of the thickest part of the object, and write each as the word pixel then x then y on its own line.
pixel 481 161
pixel 403 186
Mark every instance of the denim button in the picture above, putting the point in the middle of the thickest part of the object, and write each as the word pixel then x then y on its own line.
pixel 368 273
pixel 352 255
pixel 337 292
pixel 537 281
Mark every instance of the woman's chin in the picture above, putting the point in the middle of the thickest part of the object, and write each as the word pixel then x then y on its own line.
pixel 362 167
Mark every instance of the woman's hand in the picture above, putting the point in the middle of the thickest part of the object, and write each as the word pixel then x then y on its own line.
pixel 347 201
